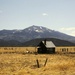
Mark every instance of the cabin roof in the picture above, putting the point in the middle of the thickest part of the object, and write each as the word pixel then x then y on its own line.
pixel 49 44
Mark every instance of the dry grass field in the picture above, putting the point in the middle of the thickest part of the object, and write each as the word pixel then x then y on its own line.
pixel 25 64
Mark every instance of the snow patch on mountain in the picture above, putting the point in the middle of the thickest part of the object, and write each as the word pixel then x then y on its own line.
pixel 38 30
pixel 15 31
pixel 40 27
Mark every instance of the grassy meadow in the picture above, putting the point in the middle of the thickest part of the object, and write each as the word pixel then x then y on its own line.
pixel 25 64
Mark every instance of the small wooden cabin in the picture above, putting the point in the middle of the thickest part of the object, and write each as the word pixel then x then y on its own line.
pixel 46 47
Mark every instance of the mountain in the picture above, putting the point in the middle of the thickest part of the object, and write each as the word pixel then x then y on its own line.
pixel 11 43
pixel 33 32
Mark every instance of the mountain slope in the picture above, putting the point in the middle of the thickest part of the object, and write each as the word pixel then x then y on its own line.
pixel 11 43
pixel 33 32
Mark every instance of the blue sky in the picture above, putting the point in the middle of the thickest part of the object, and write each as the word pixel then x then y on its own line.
pixel 57 15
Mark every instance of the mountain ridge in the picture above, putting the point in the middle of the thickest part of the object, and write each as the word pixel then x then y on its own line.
pixel 33 32
pixel 57 42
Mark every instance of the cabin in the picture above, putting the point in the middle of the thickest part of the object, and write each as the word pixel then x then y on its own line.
pixel 46 47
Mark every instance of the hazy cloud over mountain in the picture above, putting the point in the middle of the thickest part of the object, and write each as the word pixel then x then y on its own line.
pixel 69 30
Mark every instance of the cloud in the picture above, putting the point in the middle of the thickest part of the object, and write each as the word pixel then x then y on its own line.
pixel 73 33
pixel 44 14
pixel 69 30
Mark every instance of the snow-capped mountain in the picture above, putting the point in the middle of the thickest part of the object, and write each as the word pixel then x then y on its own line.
pixel 38 29
pixel 33 32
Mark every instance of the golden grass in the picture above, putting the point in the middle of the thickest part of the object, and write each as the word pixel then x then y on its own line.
pixel 19 64
pixel 17 49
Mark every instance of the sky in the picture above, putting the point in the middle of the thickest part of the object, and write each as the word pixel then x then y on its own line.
pixel 57 15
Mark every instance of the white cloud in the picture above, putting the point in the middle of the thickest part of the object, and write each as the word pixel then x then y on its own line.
pixel 69 30
pixel 72 33
pixel 44 14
